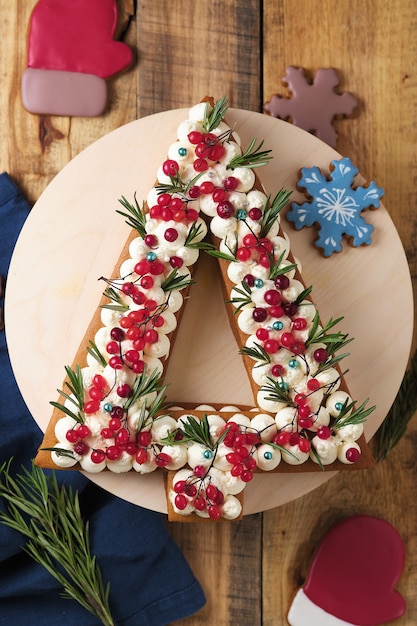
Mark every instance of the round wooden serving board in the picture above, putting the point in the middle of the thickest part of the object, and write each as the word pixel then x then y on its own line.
pixel 73 236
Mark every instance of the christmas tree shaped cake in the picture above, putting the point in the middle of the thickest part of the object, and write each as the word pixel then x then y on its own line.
pixel 112 414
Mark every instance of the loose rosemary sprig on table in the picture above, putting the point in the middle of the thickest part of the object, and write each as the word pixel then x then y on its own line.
pixel 403 409
pixel 49 516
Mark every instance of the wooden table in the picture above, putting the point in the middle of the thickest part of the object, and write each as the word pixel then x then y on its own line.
pixel 251 569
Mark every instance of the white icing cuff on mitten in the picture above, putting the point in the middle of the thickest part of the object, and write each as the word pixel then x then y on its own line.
pixel 303 612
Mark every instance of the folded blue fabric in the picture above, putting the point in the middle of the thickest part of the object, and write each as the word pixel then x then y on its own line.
pixel 151 583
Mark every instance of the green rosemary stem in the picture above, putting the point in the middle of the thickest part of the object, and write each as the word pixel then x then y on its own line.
pixel 49 516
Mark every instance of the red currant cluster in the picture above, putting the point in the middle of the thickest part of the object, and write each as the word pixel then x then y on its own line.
pixel 145 449
pixel 253 248
pixel 243 445
pixel 170 208
pixel 208 147
pixel 202 496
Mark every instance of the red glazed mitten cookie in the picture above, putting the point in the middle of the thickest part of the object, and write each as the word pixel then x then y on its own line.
pixel 71 53
pixel 352 578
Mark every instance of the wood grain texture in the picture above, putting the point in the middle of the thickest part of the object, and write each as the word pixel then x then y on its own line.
pixel 251 570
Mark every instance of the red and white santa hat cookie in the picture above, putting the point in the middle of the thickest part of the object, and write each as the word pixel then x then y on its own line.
pixel 352 577
pixel 71 53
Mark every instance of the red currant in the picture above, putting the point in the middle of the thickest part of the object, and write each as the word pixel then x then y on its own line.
pixel 272 297
pixel 200 503
pixel 231 183
pixel 113 453
pixel 72 435
pixel 81 448
pixel 124 390
pixel 179 486
pixel 98 456
pixel 320 355
pixel 99 381
pixel 282 282
pixel 313 384
pixel 262 334
pixel 271 346
pixel 170 167
pixel 219 195
pixel 171 234
pixel 287 339
pixel 282 438
pixel 304 444
pixel 195 137
pixel 352 455
pixel 199 471
pixel 324 432
pixel 194 192
pixel 259 314
pixel 142 456
pixel 225 209
pixel 246 476
pixel 115 423
pixel 91 406
pixel 164 199
pixel 83 431
pixel 181 501
pixel 255 214
pixel 200 165
pixel 176 262
pixel 162 459
pixel 214 512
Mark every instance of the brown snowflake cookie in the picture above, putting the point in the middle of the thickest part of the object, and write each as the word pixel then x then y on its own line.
pixel 313 105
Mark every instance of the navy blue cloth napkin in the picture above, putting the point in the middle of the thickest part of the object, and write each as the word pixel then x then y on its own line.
pixel 151 584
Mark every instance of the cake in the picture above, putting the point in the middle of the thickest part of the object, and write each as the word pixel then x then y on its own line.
pixel 112 413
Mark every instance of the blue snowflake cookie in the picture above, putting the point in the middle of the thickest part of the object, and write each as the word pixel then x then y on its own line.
pixel 335 206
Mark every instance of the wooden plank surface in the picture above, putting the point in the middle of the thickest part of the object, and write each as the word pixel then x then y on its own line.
pixel 251 569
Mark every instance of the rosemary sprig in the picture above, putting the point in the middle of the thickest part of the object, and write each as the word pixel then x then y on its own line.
pixel 96 354
pixel 175 281
pixel 322 335
pixel 401 412
pixel 197 431
pixel 177 185
pixel 252 157
pixel 358 416
pixel 112 294
pixel 256 352
pixel 303 295
pixel 217 113
pixel 193 238
pixel 276 268
pixel 278 392
pixel 243 299
pixel 135 216
pixel 272 210
pixel 231 256
pixel 49 516
pixel 76 387
pixel 145 384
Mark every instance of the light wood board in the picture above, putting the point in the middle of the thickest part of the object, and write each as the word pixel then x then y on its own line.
pixel 74 235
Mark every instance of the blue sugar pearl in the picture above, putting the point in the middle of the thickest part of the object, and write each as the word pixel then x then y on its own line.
pixel 277 325
pixel 268 456
pixel 182 152
pixel 293 364
pixel 241 214
pixel 283 385
pixel 258 283
pixel 151 256
pixel 108 407
pixel 208 454
pixel 338 406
